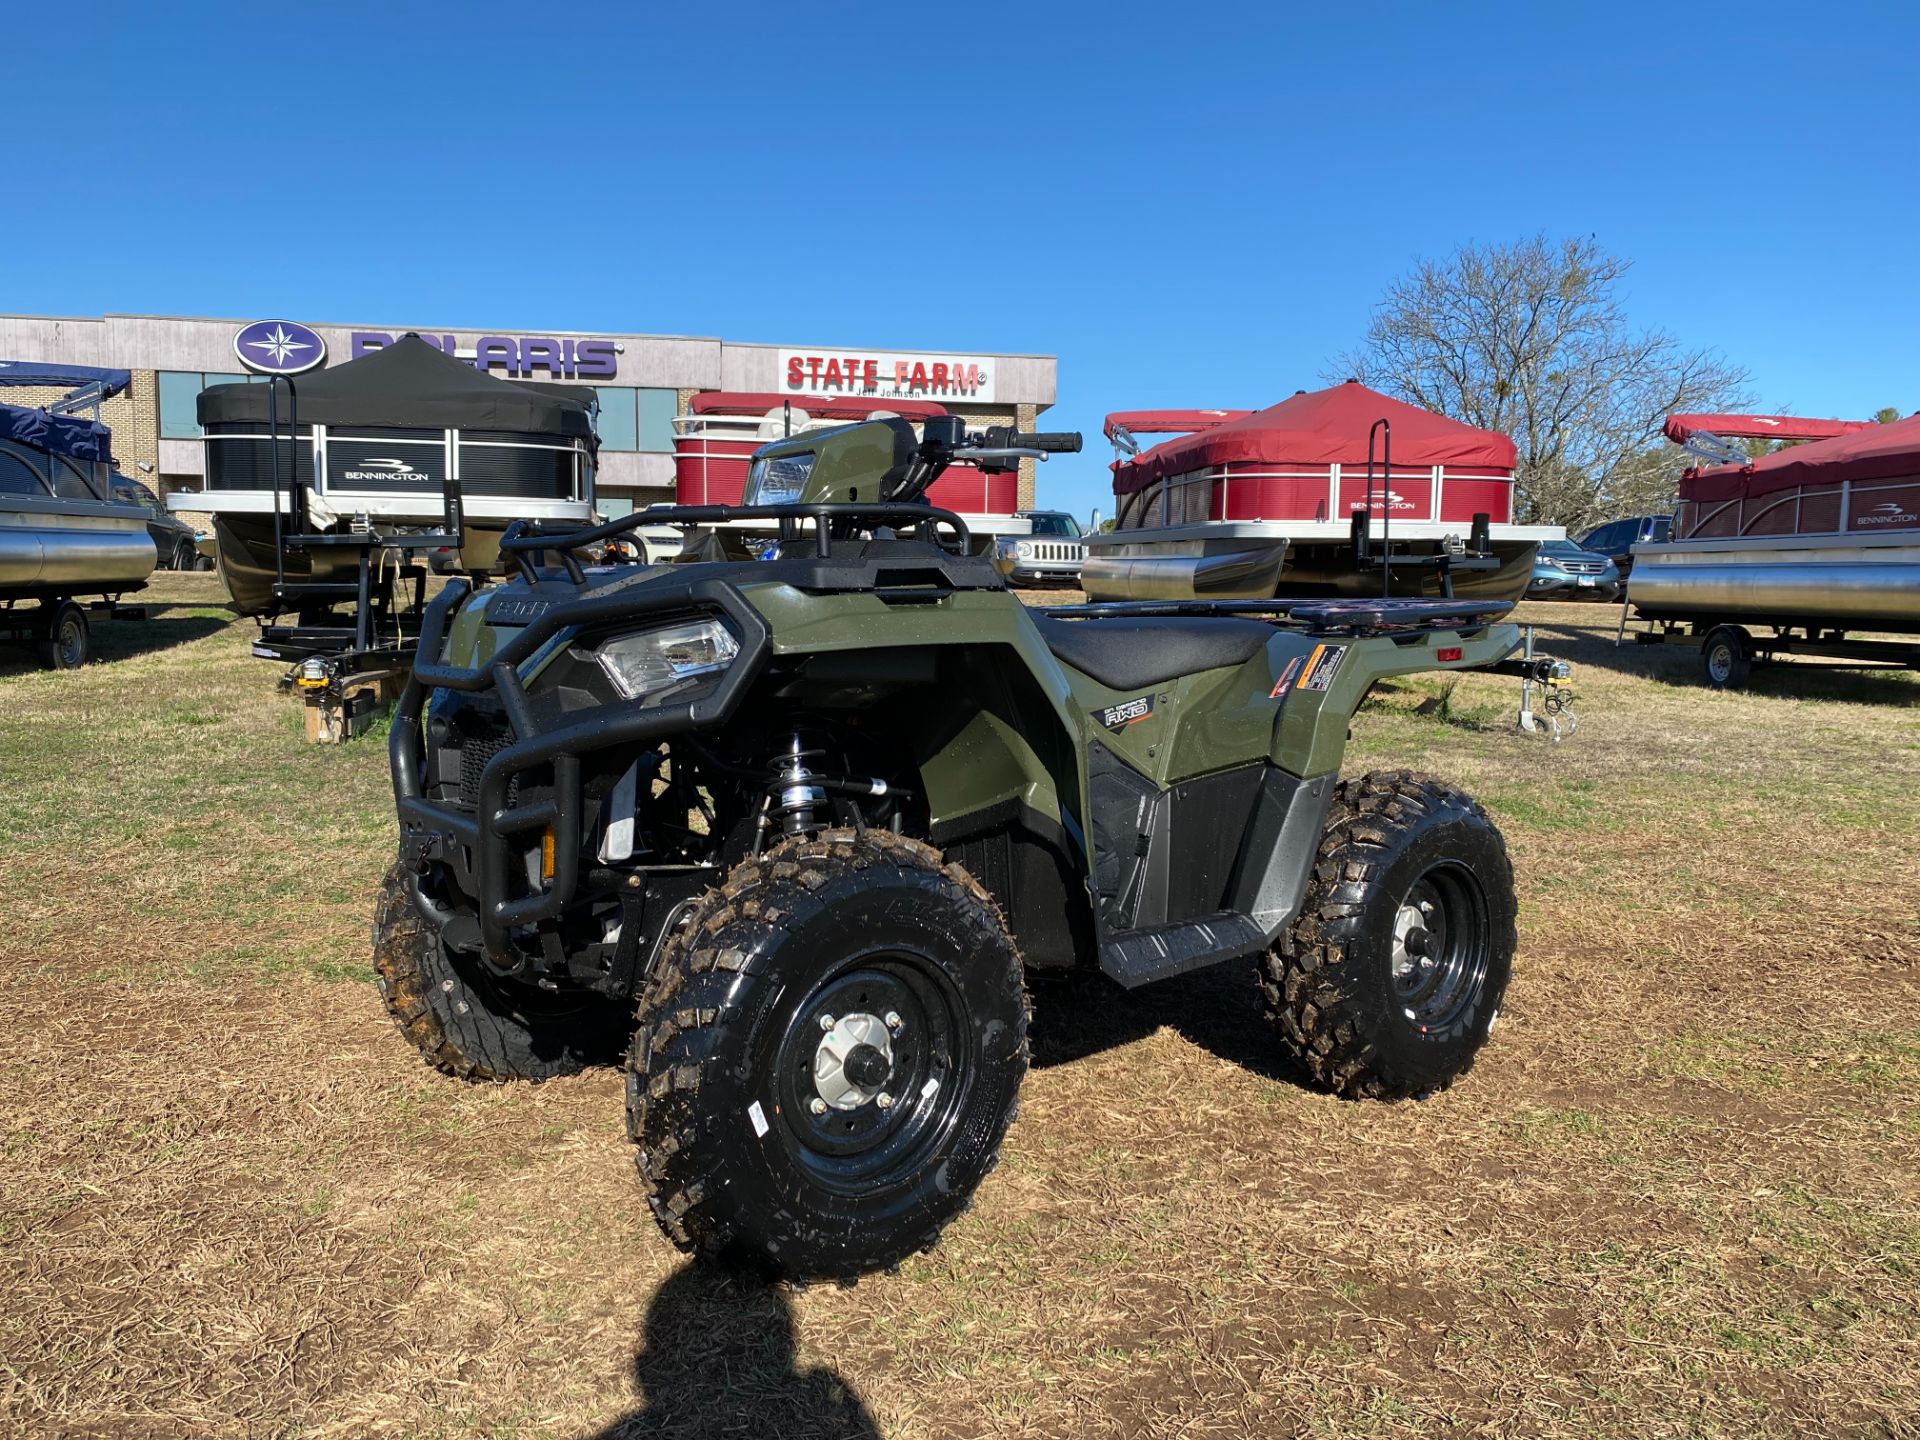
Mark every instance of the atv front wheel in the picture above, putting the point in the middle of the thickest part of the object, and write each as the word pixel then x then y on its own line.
pixel 827 1058
pixel 472 1024
pixel 1389 980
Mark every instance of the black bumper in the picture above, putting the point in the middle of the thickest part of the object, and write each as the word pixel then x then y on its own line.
pixel 480 839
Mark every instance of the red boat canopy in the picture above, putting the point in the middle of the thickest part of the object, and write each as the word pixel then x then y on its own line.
pixel 1681 428
pixel 1873 452
pixel 824 407
pixel 1169 422
pixel 1318 428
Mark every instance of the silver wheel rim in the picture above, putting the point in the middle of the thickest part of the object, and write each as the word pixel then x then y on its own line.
pixel 1720 663
pixel 831 1079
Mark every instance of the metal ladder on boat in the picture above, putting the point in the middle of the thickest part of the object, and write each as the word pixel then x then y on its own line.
pixel 374 637
pixel 1477 554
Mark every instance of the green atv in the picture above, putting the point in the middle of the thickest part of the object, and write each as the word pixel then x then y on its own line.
pixel 817 811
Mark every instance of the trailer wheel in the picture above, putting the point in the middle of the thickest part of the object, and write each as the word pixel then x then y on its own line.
pixel 1389 980
pixel 67 642
pixel 467 1022
pixel 1726 658
pixel 827 1058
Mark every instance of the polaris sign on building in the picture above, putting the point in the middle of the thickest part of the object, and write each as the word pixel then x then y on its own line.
pixel 643 382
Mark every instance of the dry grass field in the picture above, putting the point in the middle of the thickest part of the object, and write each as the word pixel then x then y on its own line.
pixel 1679 1195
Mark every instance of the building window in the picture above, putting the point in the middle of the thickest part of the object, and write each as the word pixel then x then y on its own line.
pixel 636 419
pixel 616 423
pixel 179 389
pixel 655 419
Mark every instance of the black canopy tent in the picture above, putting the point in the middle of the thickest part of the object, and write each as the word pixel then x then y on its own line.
pixel 410 383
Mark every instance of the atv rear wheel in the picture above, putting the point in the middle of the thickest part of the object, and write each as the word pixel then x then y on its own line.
pixel 827 1058
pixel 1389 980
pixel 472 1024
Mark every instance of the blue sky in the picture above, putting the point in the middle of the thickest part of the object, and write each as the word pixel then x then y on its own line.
pixel 1189 205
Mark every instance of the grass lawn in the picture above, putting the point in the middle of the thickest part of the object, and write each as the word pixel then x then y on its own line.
pixel 1678 1196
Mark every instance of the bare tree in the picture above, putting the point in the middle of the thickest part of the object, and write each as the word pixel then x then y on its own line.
pixel 1530 339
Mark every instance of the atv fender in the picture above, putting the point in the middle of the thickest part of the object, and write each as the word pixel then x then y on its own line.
pixel 1276 859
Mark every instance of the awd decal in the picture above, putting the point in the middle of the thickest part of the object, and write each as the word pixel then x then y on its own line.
pixel 1322 665
pixel 1285 682
pixel 1127 712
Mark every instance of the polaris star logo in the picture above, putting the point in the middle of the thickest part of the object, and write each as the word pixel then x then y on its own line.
pixel 279 347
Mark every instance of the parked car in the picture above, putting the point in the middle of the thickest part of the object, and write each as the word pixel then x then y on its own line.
pixel 1051 555
pixel 1616 538
pixel 176 544
pixel 1563 570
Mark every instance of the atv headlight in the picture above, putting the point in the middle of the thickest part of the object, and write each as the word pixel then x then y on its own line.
pixel 778 479
pixel 649 662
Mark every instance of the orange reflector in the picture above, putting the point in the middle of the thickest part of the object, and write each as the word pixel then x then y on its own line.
pixel 546 854
pixel 1448 652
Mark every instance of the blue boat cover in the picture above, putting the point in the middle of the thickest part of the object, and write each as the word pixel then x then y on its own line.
pixel 32 372
pixel 62 434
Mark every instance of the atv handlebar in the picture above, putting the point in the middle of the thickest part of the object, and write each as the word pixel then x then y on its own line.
pixel 1056 442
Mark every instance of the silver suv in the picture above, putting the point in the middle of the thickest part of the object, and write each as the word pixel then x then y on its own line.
pixel 1051 555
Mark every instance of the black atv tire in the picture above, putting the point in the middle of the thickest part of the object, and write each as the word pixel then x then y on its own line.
pixel 65 641
pixel 1350 986
pixel 744 1160
pixel 468 1023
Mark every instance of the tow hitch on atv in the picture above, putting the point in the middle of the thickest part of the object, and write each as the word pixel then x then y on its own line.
pixel 815 813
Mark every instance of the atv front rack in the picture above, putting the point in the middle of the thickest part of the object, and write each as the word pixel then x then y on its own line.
pixel 527 541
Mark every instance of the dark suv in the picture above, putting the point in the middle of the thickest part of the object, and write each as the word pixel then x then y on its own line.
pixel 174 541
pixel 1617 538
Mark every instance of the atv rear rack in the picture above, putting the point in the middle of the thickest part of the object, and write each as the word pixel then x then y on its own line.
pixel 1355 617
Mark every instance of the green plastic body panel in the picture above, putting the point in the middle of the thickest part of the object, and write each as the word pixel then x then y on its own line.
pixel 849 462
pixel 1290 703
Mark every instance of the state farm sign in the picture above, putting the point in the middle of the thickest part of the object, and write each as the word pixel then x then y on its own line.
pixel 884 375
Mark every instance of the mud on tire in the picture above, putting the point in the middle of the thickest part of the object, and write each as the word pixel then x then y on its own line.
pixel 1389 980
pixel 470 1024
pixel 749 1156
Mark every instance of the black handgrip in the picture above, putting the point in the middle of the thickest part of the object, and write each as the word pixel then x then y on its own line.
pixel 1058 442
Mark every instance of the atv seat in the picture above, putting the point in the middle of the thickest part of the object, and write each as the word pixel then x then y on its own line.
pixel 1125 654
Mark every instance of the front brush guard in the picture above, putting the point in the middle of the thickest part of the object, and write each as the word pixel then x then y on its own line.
pixel 485 833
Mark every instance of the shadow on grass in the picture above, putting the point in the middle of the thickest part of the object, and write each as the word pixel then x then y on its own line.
pixel 718 1358
pixel 122 639
pixel 1680 666
pixel 1219 1009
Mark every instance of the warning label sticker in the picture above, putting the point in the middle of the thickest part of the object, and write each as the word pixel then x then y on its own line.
pixel 1322 665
